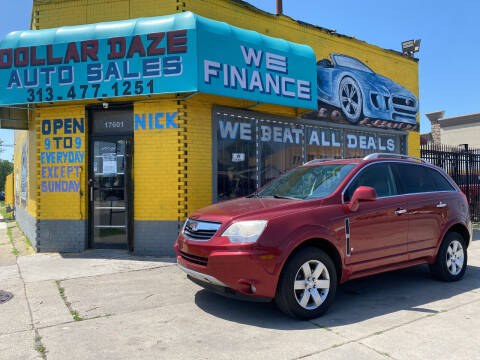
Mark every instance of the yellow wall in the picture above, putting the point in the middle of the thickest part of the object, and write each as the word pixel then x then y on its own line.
pixel 157 163
pixel 71 205
pixel 172 168
pixel 400 69
pixel 9 191
pixel 22 137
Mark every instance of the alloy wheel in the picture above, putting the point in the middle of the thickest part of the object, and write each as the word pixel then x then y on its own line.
pixel 312 283
pixel 455 257
pixel 350 99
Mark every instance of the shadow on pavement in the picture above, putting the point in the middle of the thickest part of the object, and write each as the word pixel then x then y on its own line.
pixel 116 254
pixel 411 289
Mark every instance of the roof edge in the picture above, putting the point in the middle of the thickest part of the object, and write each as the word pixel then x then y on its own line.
pixel 323 29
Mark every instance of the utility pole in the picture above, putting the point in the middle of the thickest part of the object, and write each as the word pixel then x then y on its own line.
pixel 279 7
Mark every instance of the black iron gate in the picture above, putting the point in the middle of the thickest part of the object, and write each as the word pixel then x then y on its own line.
pixel 463 165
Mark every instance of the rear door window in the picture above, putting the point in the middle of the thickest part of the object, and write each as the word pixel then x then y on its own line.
pixel 441 183
pixel 420 179
pixel 378 176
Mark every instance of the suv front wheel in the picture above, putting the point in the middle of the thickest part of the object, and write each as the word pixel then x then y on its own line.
pixel 307 285
pixel 451 261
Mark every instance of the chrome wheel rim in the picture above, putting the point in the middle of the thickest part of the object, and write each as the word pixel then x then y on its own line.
pixel 350 99
pixel 312 283
pixel 455 257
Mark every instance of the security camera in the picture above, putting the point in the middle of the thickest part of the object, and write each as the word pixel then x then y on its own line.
pixel 105 105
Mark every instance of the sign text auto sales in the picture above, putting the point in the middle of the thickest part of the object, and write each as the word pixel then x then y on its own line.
pixel 117 66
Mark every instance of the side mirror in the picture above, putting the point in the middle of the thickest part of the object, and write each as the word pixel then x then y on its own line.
pixel 362 193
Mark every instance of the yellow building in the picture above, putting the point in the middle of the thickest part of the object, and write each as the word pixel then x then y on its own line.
pixel 140 112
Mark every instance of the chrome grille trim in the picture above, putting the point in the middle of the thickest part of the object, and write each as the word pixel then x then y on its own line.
pixel 199 230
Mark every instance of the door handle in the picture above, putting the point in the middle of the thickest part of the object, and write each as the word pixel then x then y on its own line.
pixel 441 205
pixel 400 211
pixel 90 185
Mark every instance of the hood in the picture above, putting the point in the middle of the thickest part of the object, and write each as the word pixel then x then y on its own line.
pixel 389 86
pixel 245 207
pixel 383 84
pixel 393 87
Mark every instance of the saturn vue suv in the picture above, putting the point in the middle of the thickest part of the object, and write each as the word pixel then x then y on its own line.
pixel 324 223
pixel 350 85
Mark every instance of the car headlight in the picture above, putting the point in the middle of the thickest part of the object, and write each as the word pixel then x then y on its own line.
pixel 245 231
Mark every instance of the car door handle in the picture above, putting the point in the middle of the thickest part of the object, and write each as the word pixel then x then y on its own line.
pixel 441 205
pixel 400 211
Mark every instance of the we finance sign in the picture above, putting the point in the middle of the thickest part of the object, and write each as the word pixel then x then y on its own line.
pixel 257 68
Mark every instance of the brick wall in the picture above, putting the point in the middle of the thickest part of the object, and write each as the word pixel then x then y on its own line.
pixel 61 205
pixel 156 163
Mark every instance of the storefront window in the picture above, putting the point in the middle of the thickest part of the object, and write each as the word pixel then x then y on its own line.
pixel 281 149
pixel 323 143
pixel 253 151
pixel 361 143
pixel 236 158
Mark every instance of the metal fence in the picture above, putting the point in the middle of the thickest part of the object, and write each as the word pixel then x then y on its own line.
pixel 463 165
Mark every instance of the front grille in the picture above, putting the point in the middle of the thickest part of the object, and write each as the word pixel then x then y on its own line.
pixel 401 117
pixel 404 101
pixel 405 111
pixel 387 102
pixel 199 234
pixel 200 230
pixel 194 259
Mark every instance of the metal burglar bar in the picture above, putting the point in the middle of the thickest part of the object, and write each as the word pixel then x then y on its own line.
pixel 463 165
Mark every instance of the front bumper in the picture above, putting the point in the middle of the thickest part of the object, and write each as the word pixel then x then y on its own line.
pixel 201 277
pixel 248 271
pixel 212 284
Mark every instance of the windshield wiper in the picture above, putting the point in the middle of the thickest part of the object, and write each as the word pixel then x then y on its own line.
pixel 285 197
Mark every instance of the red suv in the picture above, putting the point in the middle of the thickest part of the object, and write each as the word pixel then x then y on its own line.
pixel 324 223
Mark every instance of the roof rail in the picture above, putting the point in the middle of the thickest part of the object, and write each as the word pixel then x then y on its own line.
pixel 315 161
pixel 392 156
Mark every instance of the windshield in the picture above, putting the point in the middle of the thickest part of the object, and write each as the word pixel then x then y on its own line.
pixel 309 182
pixel 347 61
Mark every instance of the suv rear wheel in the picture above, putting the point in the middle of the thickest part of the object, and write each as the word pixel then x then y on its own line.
pixel 307 285
pixel 451 261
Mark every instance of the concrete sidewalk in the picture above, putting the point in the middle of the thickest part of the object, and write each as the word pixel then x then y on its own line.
pixel 111 305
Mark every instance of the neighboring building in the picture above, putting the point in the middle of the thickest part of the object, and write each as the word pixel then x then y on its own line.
pixel 455 130
pixel 133 124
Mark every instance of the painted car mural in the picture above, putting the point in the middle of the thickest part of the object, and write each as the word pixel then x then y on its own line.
pixel 362 95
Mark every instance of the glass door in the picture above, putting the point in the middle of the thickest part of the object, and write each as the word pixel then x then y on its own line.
pixel 109 192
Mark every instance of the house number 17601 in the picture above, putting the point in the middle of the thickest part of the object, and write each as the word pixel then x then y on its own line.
pixel 113 124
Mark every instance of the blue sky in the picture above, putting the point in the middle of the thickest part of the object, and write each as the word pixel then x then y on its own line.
pixel 449 73
pixel 14 15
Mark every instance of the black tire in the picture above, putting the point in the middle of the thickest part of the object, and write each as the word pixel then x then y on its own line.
pixel 286 298
pixel 441 268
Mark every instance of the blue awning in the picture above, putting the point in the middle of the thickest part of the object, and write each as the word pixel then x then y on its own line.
pixel 168 54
